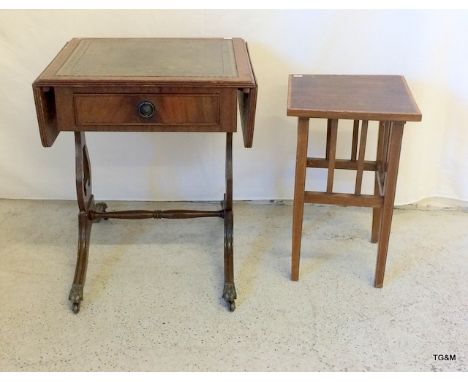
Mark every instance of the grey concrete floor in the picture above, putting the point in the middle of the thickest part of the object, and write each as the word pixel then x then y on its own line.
pixel 152 296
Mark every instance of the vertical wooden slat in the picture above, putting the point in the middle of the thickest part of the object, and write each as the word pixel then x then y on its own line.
pixel 327 148
pixel 354 146
pixel 388 127
pixel 331 154
pixel 384 153
pixel 386 131
pixel 299 191
pixel 362 153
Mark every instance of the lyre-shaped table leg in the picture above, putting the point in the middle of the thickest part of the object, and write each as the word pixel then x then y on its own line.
pixel 84 231
pixel 86 204
pixel 229 291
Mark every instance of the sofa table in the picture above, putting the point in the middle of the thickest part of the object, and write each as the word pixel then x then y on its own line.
pixel 361 98
pixel 146 85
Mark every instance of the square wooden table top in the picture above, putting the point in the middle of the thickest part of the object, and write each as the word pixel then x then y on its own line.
pixel 360 97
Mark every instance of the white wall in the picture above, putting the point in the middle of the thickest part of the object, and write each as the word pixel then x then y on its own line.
pixel 428 47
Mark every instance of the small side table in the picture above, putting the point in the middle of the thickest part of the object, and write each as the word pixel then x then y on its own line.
pixel 361 98
pixel 146 85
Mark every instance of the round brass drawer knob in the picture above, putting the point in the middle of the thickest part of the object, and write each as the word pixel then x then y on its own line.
pixel 146 109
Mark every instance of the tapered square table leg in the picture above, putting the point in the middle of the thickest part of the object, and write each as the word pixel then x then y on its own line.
pixel 299 188
pixel 393 159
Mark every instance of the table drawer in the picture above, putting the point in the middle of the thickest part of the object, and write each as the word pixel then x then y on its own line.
pixel 146 109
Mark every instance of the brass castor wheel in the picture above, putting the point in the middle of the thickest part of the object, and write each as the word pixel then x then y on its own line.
pixel 75 297
pixel 76 307
pixel 229 295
